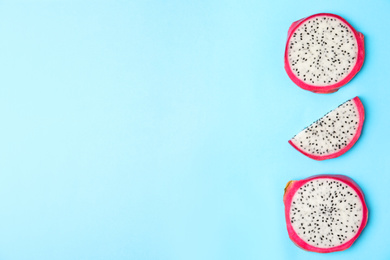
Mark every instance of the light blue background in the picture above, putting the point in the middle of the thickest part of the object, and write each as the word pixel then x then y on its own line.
pixel 158 129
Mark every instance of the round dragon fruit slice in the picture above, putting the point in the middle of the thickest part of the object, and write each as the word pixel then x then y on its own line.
pixel 324 213
pixel 323 52
pixel 333 134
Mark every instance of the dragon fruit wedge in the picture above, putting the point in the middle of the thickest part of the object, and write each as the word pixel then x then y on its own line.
pixel 323 52
pixel 324 213
pixel 333 134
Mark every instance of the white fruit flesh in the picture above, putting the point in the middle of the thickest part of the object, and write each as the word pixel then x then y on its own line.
pixel 330 133
pixel 322 51
pixel 326 213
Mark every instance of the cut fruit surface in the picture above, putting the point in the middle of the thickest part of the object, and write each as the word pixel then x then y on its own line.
pixel 324 213
pixel 333 134
pixel 323 52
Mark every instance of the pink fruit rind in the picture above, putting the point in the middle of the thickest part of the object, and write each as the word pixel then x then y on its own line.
pixel 334 87
pixel 290 190
pixel 360 109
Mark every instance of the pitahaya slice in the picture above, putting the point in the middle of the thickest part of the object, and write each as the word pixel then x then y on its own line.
pixel 333 134
pixel 324 213
pixel 323 52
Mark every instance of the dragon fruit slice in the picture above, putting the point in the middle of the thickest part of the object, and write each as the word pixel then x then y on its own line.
pixel 324 213
pixel 323 52
pixel 333 134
